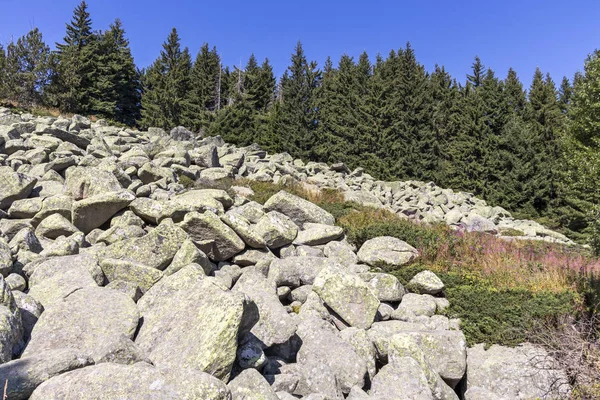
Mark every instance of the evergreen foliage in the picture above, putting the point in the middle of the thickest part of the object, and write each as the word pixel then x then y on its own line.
pixel 534 152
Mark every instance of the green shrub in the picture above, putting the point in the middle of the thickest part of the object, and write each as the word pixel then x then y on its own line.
pixel 493 316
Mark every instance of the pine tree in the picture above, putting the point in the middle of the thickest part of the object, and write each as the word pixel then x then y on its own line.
pixel 294 121
pixel 204 87
pixel 479 72
pixel 565 94
pixel 33 68
pixel 72 79
pixel 513 91
pixel 3 73
pixel 165 98
pixel 545 120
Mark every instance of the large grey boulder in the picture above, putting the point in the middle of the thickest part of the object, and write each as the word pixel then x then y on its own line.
pixel 385 286
pixel 205 199
pixel 24 375
pixel 14 186
pixel 11 328
pixel 93 212
pixel 404 376
pixel 445 351
pixel 386 250
pixel 523 372
pixel 342 252
pixel 276 229
pixel 298 209
pixel 53 279
pixel 245 229
pixel 415 305
pixel 54 226
pixel 140 275
pixel 208 226
pixel 83 321
pixel 251 385
pixel 180 134
pixel 348 295
pixel 140 381
pixel 323 346
pixel 275 325
pixel 363 346
pixel 155 250
pixel 406 346
pixel 316 234
pixel 84 182
pixel 297 271
pixel 196 327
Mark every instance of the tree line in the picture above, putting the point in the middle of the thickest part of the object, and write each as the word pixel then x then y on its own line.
pixel 532 151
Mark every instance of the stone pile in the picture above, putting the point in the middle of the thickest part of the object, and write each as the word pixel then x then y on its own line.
pixel 118 283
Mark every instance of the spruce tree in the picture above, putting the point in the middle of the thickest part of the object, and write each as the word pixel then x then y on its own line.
pixel 204 87
pixel 165 97
pixel 3 73
pixel 479 72
pixel 33 72
pixel 295 120
pixel 516 97
pixel 565 94
pixel 72 80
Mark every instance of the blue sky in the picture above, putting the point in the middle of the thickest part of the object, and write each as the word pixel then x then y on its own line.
pixel 554 35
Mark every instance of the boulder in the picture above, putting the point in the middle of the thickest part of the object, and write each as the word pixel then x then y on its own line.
pixel 84 321
pixel 201 227
pixel 523 372
pixel 297 271
pixel 385 286
pixel 93 212
pixel 54 226
pixel 426 282
pixel 299 210
pixel 155 250
pixel 27 373
pixel 415 305
pixel 14 186
pixel 340 252
pixel 11 328
pixel 386 250
pixel 251 385
pixel 84 182
pixel 348 295
pixel 140 275
pixel 403 376
pixel 140 381
pixel 196 327
pixel 316 234
pixel 276 229
pixel 275 325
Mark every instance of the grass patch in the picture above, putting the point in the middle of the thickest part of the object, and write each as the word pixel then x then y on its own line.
pixel 496 316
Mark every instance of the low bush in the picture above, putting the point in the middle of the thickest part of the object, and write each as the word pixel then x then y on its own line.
pixel 496 316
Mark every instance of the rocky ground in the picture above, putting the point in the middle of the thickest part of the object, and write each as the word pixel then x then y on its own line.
pixel 117 282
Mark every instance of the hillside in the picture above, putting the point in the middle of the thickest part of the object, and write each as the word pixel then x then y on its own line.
pixel 147 264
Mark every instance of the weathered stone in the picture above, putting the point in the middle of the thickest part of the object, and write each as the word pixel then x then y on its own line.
pixel 14 186
pixel 298 209
pixel 276 229
pixel 156 249
pixel 297 271
pixel 138 274
pixel 196 327
pixel 54 226
pixel 25 208
pixel 275 325
pixel 385 286
pixel 244 229
pixel 137 381
pixel 23 376
pixel 363 346
pixel 84 182
pixel 405 346
pixel 415 305
pixel 386 250
pixel 205 199
pixel 92 212
pixel 316 234
pixel 208 225
pixel 83 321
pixel 120 350
pixel 251 385
pixel 16 282
pixel 347 295
pixel 426 282
pixel 188 254
pixel 341 252
pixel 11 328
pixel 523 372
pixel 404 376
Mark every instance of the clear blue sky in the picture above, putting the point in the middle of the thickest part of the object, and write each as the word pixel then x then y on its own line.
pixel 553 34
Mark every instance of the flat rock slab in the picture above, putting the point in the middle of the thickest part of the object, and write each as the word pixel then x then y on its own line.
pixel 386 250
pixel 298 209
pixel 208 226
pixel 84 321
pixel 14 186
pixel 93 212
pixel 140 381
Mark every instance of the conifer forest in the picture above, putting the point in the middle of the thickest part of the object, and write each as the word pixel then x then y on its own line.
pixel 532 150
